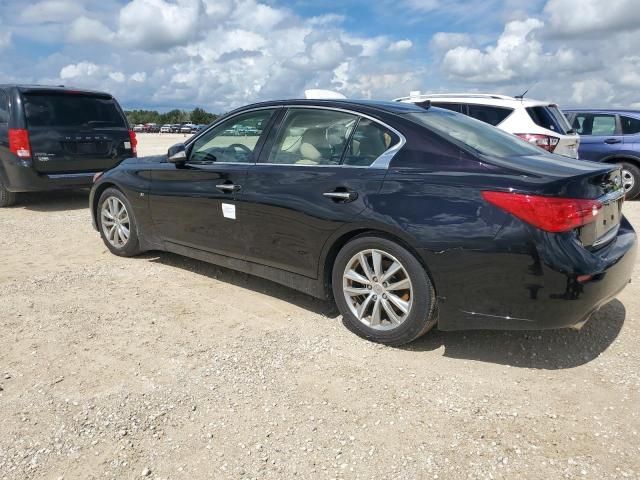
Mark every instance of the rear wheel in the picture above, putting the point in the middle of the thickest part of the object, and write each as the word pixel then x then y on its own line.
pixel 630 180
pixel 383 291
pixel 117 224
pixel 7 198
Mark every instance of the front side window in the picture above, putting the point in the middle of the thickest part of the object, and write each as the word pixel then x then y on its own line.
pixel 369 141
pixel 489 114
pixel 630 125
pixel 313 137
pixel 233 141
pixel 590 124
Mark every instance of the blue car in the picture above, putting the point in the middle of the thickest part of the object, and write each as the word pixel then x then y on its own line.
pixel 611 136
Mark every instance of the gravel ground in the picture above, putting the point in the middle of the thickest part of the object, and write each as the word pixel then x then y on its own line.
pixel 168 368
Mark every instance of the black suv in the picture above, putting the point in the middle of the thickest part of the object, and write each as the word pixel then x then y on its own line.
pixel 57 137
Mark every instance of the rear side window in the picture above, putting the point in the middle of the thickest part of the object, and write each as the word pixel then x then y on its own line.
pixel 489 114
pixel 4 107
pixel 71 110
pixel 369 141
pixel 549 117
pixel 590 124
pixel 630 125
pixel 454 107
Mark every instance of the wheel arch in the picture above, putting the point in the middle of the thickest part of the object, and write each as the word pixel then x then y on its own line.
pixel 97 193
pixel 623 158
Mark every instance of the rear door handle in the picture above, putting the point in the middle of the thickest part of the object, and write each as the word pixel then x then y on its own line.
pixel 228 187
pixel 341 196
pixel 612 140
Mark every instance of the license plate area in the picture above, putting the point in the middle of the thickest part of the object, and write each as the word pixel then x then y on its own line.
pixel 87 148
pixel 605 226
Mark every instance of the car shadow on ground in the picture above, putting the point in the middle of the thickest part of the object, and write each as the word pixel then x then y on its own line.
pixel 56 201
pixel 546 349
pixel 244 280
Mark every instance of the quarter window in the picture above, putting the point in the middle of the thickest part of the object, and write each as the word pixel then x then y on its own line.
pixel 313 137
pixel 369 141
pixel 233 141
pixel 630 125
pixel 454 107
pixel 4 107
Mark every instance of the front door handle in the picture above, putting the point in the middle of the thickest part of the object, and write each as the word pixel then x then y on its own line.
pixel 612 140
pixel 228 187
pixel 341 196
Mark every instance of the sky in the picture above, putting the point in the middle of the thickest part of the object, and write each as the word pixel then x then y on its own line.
pixel 221 54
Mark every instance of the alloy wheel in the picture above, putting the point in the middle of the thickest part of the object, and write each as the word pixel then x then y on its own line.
pixel 628 180
pixel 116 225
pixel 377 289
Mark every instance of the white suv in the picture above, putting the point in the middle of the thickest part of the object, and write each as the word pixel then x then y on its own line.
pixel 540 123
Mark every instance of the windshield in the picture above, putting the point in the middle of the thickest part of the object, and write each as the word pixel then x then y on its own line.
pixel 479 136
pixel 71 110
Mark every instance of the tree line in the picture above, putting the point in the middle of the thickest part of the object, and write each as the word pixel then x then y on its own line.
pixel 197 116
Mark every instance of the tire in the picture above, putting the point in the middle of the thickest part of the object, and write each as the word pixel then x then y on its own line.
pixel 113 234
pixel 631 179
pixel 418 298
pixel 7 198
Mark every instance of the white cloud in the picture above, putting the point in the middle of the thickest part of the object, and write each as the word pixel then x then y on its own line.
pixel 51 11
pixel 443 41
pixel 400 46
pixel 85 29
pixel 570 17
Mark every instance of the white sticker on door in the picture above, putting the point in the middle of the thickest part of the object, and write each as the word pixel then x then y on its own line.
pixel 127 145
pixel 229 211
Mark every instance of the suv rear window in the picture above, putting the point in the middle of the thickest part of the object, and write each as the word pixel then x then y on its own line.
pixel 71 110
pixel 489 114
pixel 549 117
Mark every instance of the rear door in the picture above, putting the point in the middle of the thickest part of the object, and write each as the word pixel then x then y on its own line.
pixel 600 135
pixel 75 132
pixel 631 133
pixel 314 176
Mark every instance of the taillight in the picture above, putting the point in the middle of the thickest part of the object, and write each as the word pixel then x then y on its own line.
pixel 134 142
pixel 543 141
pixel 19 142
pixel 551 214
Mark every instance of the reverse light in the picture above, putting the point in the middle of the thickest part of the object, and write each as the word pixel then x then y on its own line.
pixel 552 214
pixel 19 143
pixel 547 142
pixel 134 143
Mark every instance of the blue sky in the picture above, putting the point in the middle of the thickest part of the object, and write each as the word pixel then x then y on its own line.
pixel 220 54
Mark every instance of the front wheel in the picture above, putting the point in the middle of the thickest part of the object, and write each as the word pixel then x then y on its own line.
pixel 383 291
pixel 630 180
pixel 117 224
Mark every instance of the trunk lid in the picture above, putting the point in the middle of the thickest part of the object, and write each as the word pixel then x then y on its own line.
pixel 74 132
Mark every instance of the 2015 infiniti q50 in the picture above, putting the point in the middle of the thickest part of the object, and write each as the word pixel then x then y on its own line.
pixel 406 215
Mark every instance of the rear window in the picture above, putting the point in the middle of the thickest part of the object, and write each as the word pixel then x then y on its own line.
pixel 489 114
pixel 549 117
pixel 71 110
pixel 470 133
pixel 4 107
pixel 455 107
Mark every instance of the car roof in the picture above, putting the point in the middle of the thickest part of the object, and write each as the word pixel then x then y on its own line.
pixel 358 105
pixel 601 110
pixel 476 99
pixel 23 87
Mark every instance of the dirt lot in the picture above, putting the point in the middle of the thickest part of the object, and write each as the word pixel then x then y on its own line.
pixel 164 367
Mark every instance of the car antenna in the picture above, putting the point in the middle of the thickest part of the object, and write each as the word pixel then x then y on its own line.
pixel 521 96
pixel 426 104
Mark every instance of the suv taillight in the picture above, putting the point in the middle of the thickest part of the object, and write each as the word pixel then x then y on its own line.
pixel 134 143
pixel 552 214
pixel 543 141
pixel 19 142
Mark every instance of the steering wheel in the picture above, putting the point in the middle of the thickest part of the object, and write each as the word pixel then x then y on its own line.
pixel 246 149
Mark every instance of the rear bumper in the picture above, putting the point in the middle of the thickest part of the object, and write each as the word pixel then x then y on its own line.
pixel 535 289
pixel 20 177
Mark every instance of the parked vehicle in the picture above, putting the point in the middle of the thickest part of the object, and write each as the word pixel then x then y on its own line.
pixel 56 138
pixel 611 136
pixel 151 128
pixel 138 128
pixel 537 122
pixel 166 129
pixel 407 216
pixel 187 128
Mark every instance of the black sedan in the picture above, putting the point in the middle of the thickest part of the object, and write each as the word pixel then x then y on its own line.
pixel 408 216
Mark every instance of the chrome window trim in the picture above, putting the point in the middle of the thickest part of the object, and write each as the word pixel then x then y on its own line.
pixel 382 162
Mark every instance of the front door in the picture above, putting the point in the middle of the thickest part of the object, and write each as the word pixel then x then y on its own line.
pixel 194 204
pixel 312 178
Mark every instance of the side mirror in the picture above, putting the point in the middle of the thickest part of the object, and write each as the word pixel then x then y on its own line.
pixel 177 153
